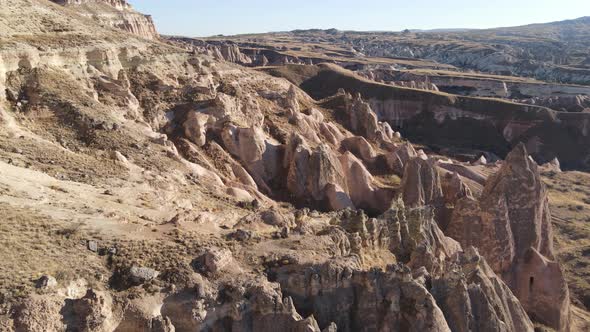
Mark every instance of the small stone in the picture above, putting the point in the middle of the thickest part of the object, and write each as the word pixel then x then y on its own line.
pixel 162 324
pixel 481 161
pixel 46 282
pixel 140 275
pixel 285 232
pixel 331 328
pixel 240 235
pixel 92 246
pixel 17 150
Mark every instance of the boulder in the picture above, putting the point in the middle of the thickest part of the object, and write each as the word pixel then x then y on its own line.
pixel 140 275
pixel 195 127
pixel 121 159
pixel 359 147
pixel 481 161
pixel 216 260
pixel 46 282
pixel 239 194
pixel 275 218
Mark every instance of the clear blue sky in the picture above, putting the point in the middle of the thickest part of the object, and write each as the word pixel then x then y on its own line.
pixel 211 17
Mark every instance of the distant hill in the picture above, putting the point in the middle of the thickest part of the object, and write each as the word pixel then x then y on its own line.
pixel 555 51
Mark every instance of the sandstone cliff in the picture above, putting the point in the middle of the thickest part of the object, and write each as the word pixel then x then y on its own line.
pixel 115 14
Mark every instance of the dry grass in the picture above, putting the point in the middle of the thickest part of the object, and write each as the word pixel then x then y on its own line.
pixel 569 196
pixel 32 246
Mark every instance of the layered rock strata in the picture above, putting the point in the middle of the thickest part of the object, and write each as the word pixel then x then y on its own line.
pixel 116 14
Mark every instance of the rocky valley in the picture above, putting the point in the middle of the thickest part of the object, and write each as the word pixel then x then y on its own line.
pixel 313 180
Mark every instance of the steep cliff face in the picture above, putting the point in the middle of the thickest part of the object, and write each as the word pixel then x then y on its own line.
pixel 115 14
pixel 441 119
pixel 560 97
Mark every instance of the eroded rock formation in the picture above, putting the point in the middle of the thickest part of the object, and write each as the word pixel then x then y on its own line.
pixel 511 226
pixel 183 192
pixel 362 301
pixel 488 303
pixel 116 14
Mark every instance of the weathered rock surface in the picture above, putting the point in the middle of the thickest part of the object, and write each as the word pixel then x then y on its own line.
pixel 400 157
pixel 462 289
pixel 421 183
pixel 577 103
pixel 142 274
pixel 362 301
pixel 461 122
pixel 46 282
pixel 93 312
pixel 552 166
pixel 228 52
pixel 116 14
pixel 262 307
pixel 511 226
pixel 164 157
pixel 473 298
pixel 216 260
